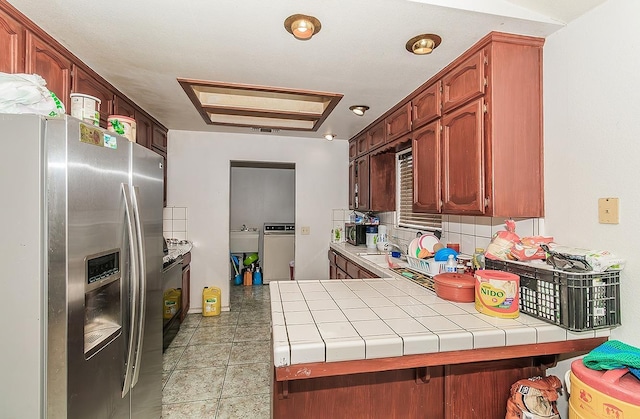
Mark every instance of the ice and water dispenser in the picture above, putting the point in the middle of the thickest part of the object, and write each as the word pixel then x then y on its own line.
pixel 103 315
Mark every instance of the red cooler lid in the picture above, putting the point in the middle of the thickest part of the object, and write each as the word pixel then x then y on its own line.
pixel 618 384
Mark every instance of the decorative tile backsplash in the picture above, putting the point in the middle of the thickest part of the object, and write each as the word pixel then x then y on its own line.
pixel 468 231
pixel 174 223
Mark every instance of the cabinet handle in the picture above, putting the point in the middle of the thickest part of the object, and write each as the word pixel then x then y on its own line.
pixel 486 202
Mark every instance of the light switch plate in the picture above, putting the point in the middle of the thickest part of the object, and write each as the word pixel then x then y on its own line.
pixel 305 230
pixel 608 210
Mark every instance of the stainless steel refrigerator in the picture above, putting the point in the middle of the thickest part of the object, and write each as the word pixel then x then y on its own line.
pixel 81 253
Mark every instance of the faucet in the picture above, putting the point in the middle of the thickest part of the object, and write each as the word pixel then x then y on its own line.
pixel 406 250
pixel 244 228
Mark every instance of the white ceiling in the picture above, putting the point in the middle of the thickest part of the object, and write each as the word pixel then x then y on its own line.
pixel 141 47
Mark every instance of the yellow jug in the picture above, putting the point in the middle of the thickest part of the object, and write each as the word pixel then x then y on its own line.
pixel 171 303
pixel 211 297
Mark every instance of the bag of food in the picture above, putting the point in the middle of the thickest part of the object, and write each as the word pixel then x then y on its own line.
pixel 27 93
pixel 534 398
pixel 502 242
pixel 528 248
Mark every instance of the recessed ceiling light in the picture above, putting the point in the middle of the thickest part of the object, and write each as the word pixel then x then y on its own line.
pixel 358 109
pixel 423 44
pixel 303 27
pixel 329 137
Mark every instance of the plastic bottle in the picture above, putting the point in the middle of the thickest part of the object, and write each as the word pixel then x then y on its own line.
pixel 478 258
pixel 451 264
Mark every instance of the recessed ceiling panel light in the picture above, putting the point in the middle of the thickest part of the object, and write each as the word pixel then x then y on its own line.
pixel 358 109
pixel 303 27
pixel 423 44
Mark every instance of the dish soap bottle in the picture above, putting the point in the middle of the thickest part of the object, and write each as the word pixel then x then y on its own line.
pixel 451 264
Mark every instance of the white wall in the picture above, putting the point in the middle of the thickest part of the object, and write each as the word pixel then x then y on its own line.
pixel 592 141
pixel 199 179
pixel 260 195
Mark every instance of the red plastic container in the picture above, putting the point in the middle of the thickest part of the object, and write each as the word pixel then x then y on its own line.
pixel 603 394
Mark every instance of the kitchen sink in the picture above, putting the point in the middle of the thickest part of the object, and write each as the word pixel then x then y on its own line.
pixel 379 259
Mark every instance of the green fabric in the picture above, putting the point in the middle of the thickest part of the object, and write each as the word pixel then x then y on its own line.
pixel 612 355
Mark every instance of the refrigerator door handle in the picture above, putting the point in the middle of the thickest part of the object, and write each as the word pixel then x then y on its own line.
pixel 142 283
pixel 133 269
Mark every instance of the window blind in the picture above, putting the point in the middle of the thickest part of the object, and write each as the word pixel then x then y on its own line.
pixel 406 216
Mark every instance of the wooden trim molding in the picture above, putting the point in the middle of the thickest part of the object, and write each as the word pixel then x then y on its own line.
pixel 328 369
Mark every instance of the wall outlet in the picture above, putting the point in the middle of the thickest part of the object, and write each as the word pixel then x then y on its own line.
pixel 608 210
pixel 305 230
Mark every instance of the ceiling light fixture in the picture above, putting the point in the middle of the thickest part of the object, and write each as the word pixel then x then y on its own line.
pixel 303 27
pixel 358 109
pixel 329 137
pixel 423 44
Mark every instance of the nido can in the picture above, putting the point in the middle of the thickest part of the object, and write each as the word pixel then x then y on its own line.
pixel 497 293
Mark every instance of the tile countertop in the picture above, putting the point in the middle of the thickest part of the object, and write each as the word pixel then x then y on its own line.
pixel 177 250
pixel 342 320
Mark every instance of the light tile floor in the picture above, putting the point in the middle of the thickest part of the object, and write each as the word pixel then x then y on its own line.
pixel 220 366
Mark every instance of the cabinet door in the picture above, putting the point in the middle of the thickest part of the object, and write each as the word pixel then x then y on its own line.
pixel 83 82
pixel 465 82
pixel 376 135
pixel 159 139
pixel 11 44
pixel 382 182
pixel 144 129
pixel 398 123
pixel 362 173
pixel 186 290
pixel 362 145
pixel 353 149
pixel 426 152
pixel 51 64
pixel 352 184
pixel 123 107
pixel 463 160
pixel 426 106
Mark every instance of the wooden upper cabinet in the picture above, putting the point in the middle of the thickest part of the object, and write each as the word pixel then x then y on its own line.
pixel 352 184
pixel 362 146
pixel 426 152
pixel 362 174
pixel 382 182
pixel 353 149
pixel 464 82
pixel 144 129
pixel 376 136
pixel 54 67
pixel 123 107
pixel 84 83
pixel 463 160
pixel 159 139
pixel 426 106
pixel 398 123
pixel 12 44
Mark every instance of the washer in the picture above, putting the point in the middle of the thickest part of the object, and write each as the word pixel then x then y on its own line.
pixel 278 250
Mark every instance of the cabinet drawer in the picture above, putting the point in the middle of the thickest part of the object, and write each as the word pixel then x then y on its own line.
pixel 399 122
pixel 353 270
pixel 426 106
pixel 341 262
pixel 465 82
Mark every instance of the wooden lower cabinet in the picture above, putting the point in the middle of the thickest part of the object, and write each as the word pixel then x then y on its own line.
pixel 186 286
pixel 343 268
pixel 461 391
pixel 387 394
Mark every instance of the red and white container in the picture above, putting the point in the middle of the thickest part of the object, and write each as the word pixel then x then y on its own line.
pixel 123 125
pixel 86 108
pixel 603 394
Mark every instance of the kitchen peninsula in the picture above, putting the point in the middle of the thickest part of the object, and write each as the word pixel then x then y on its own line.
pixel 387 347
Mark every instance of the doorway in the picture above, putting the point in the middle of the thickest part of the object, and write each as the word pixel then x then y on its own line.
pixel 260 193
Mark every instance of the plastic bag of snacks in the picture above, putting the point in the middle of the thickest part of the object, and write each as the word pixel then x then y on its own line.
pixel 507 245
pixel 534 398
pixel 27 93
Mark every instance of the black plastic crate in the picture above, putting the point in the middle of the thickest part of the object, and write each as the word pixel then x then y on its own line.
pixel 575 301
